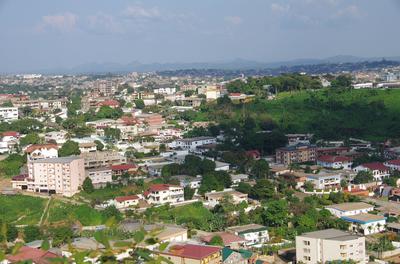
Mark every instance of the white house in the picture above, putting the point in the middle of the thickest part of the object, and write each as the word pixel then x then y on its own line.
pixel 192 143
pixel 57 136
pixel 42 151
pixel 8 114
pixel 366 224
pixel 164 193
pixel 99 176
pixel 378 170
pixel 335 162
pixel 213 198
pixel 123 202
pixel 324 180
pixel 254 234
pixel 348 209
pixel 393 164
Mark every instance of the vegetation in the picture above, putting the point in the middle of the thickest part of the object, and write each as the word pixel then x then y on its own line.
pixel 69 148
pixel 20 209
pixel 11 165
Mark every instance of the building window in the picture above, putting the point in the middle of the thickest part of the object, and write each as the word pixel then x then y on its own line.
pixel 306 243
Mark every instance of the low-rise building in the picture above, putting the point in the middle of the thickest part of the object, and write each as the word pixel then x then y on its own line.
pixel 8 114
pixel 348 209
pixel 192 143
pixel 296 154
pixel 119 170
pixel 213 198
pixel 99 176
pixel 379 170
pixel 86 147
pixel 164 193
pixel 254 234
pixel 124 202
pixel 393 164
pixel 193 254
pixel 330 245
pixel 324 180
pixel 41 151
pixel 366 224
pixel 335 162
pixel 102 159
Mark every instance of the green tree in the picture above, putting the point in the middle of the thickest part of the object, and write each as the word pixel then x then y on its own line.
pixel 87 185
pixel 139 103
pixel 32 233
pixel 363 177
pixel 112 133
pixel 69 148
pixel 260 170
pixel 45 244
pixel 109 112
pixel 276 213
pixel 112 211
pixel 263 190
pixel 99 145
pixel 188 193
pixel 31 138
pixel 216 241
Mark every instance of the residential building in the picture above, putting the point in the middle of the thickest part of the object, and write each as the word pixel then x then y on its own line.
pixel 366 224
pixel 8 114
pixel 124 202
pixel 324 180
pixel 295 139
pixel 85 147
pixel 335 162
pixel 228 239
pixel 239 256
pixel 31 255
pixel 119 170
pixel 43 105
pixel 60 137
pixel 188 181
pixel 192 143
pixel 53 175
pixel 393 164
pixel 102 159
pixel 213 198
pixel 348 209
pixel 164 193
pixel 192 254
pixel 330 245
pixel 100 176
pixel 379 170
pixel 296 154
pixel 238 178
pixel 254 234
pixel 41 151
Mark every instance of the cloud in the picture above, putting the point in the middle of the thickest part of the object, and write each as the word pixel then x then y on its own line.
pixel 103 23
pixel 234 20
pixel 140 12
pixel 65 22
pixel 280 8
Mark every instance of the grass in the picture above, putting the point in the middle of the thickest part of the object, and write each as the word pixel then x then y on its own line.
pixel 60 211
pixel 111 192
pixel 21 210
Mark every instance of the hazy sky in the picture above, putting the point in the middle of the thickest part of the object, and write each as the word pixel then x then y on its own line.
pixel 45 34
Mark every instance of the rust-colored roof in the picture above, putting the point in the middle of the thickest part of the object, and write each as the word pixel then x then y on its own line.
pixel 227 238
pixel 331 159
pixel 191 251
pixel 375 166
pixel 121 199
pixel 161 187
pixel 38 256
pixel 123 167
pixel 32 148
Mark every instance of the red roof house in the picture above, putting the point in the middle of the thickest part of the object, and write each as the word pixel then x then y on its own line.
pixel 195 252
pixel 37 256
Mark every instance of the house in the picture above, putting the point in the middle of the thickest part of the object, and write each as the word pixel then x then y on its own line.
pixel 193 254
pixel 111 103
pixel 85 147
pixel 238 178
pixel 188 181
pixel 366 224
pixel 294 139
pixel 41 151
pixel 164 193
pixel 119 170
pixel 348 209
pixel 60 137
pixel 221 166
pixel 192 143
pixel 123 202
pixel 393 164
pixel 239 256
pixel 379 170
pixel 254 154
pixel 213 198
pixel 335 162
pixel 296 154
pixel 329 245
pixel 35 255
pixel 324 180
pixel 8 114
pixel 99 176
pixel 228 239
pixel 254 234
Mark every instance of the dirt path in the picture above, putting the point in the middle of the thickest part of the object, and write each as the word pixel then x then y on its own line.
pixel 45 212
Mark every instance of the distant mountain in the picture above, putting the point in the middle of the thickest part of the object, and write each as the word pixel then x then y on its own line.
pixel 236 64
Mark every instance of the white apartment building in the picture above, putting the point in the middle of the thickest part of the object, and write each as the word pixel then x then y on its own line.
pixel 57 136
pixel 8 114
pixel 379 170
pixel 348 209
pixel 99 176
pixel 192 143
pixel 54 176
pixel 324 180
pixel 41 151
pixel 254 234
pixel 164 193
pixel 335 162
pixel 329 245
pixel 366 224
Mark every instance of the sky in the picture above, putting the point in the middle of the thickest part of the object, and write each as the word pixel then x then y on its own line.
pixel 50 34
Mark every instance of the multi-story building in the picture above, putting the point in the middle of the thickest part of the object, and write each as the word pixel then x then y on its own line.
pixel 43 105
pixel 254 234
pixel 379 170
pixel 41 151
pixel 335 162
pixel 393 164
pixel 102 159
pixel 164 193
pixel 8 114
pixel 99 176
pixel 296 154
pixel 324 180
pixel 192 143
pixel 104 87
pixel 54 176
pixel 366 224
pixel 330 245
pixel 295 139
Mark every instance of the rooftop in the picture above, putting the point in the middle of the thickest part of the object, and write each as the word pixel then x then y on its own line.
pixel 332 234
pixel 57 160
pixel 375 166
pixel 227 238
pixel 246 228
pixel 350 206
pixel 32 148
pixel 364 218
pixel 193 251
pixel 331 159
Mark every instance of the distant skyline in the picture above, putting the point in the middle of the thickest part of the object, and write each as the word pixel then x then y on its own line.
pixel 48 34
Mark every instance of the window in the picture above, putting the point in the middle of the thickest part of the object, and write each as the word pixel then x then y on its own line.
pixel 306 243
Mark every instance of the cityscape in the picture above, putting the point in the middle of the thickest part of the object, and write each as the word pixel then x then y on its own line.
pixel 195 155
